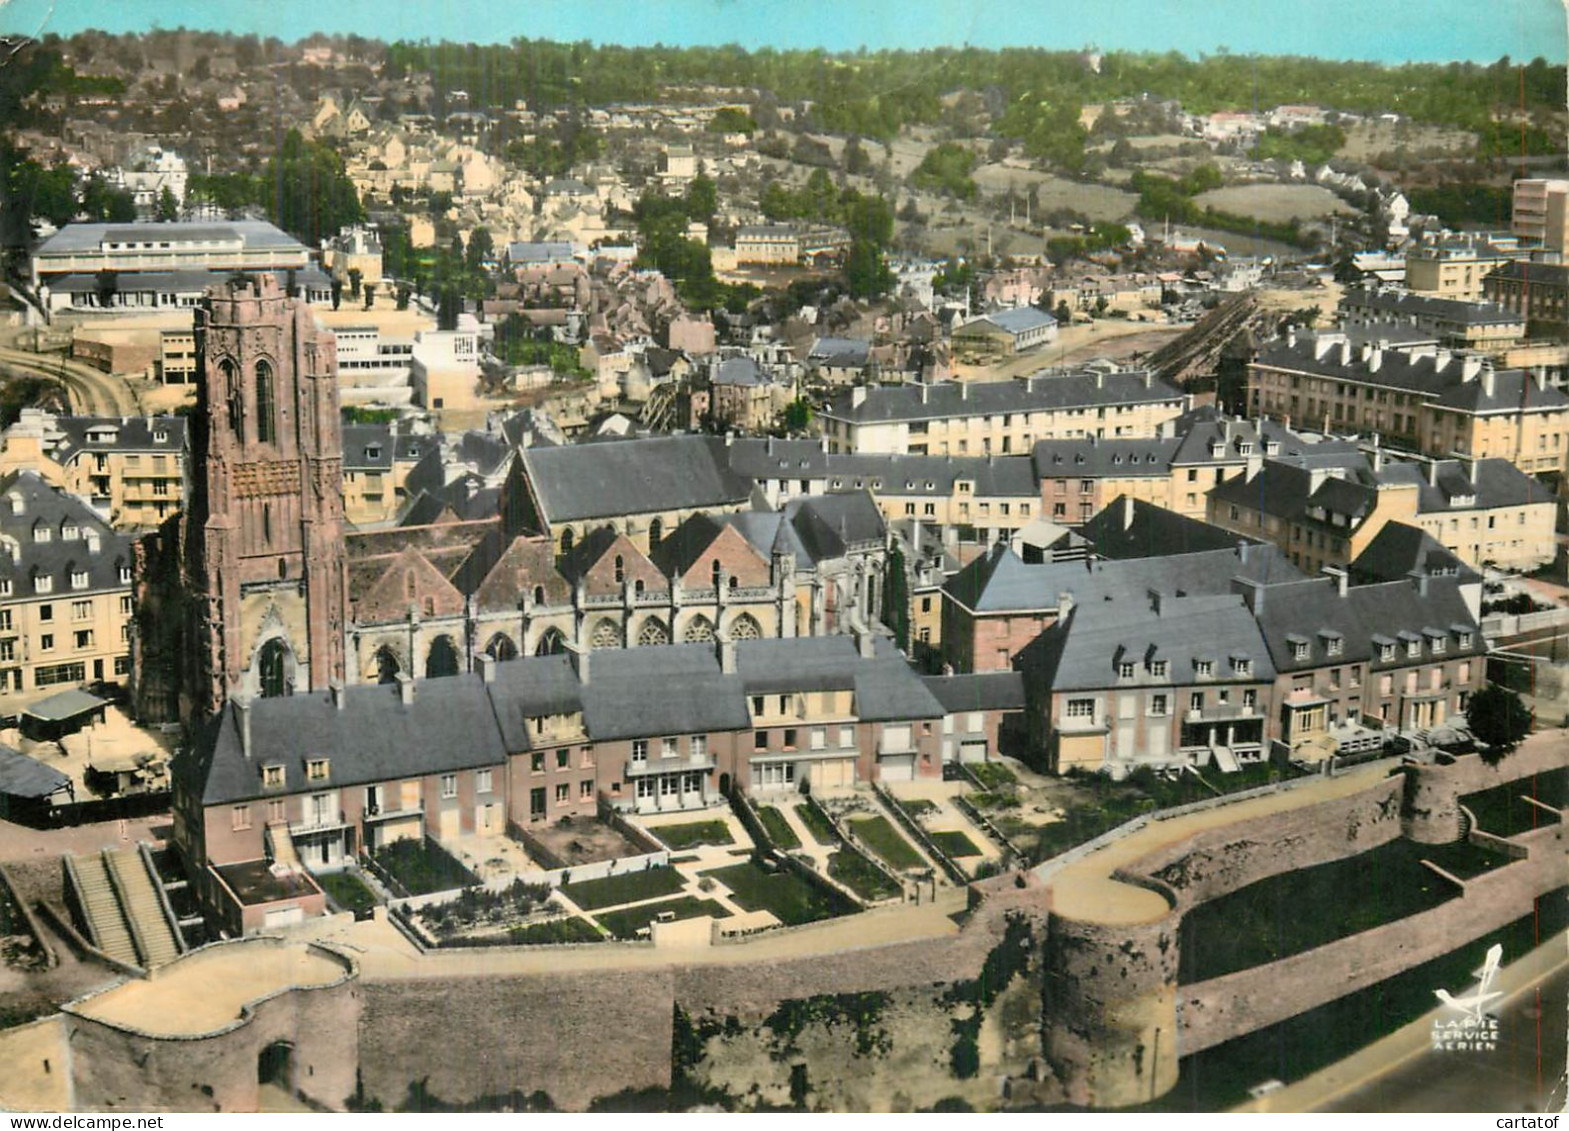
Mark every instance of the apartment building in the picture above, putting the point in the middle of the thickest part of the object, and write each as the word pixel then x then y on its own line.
pixel 1540 213
pixel 65 591
pixel 1453 267
pixel 1536 292
pixel 998 417
pixel 1486 512
pixel 1455 323
pixel 327 774
pixel 132 468
pixel 1432 402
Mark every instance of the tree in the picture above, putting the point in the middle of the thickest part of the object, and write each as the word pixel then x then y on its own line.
pixel 896 598
pixel 311 196
pixel 1498 718
pixel 168 207
pixel 798 414
pixel 1064 313
pixel 702 199
pixel 355 275
pixel 865 270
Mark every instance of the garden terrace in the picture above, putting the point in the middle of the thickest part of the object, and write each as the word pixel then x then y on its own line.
pixel 955 845
pixel 878 834
pixel 816 824
pixel 349 892
pixel 627 922
pixel 629 887
pixel 585 840
pixel 1503 810
pixel 783 894
pixel 778 829
pixel 1300 910
pixel 858 874
pixel 555 931
pixel 254 882
pixel 422 867
pixel 691 835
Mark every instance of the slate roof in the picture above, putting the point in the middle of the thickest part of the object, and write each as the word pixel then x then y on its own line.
pixel 1133 528
pixel 737 371
pixel 1182 632
pixel 1092 457
pixel 461 722
pixel 253 234
pixel 1000 582
pixel 1424 374
pixel 982 691
pixel 1397 549
pixel 1491 482
pixel 374 737
pixel 660 473
pixel 522 251
pixel 65 705
pixel 1310 608
pixel 888 403
pixel 21 776
pixel 1419 306
pixel 367 447
pixel 851 353
pixel 1017 321
pixel 1285 491
pixel 58 558
pixel 130 434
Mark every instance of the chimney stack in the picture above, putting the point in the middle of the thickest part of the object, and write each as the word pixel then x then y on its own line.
pixel 1127 512
pixel 1252 593
pixel 1419 580
pixel 926 394
pixel 405 689
pixel 1432 473
pixel 1064 604
pixel 242 714
pixel 335 689
pixel 864 645
pixel 726 650
pixel 1339 576
pixel 1489 380
pixel 486 665
pixel 579 657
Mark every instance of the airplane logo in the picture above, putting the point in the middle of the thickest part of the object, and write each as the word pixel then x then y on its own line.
pixel 1474 1004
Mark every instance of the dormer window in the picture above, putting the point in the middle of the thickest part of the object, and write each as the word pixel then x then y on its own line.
pixel 69 531
pixel 1245 447
pixel 373 451
pixel 1125 669
pixel 78 579
pixel 1465 637
pixel 1204 669
pixel 272 776
pixel 1241 665
pixel 1158 668
pixel 43 583
pixel 1299 650
pixel 125 575
pixel 1440 645
pixel 42 533
pixel 1413 647
pixel 316 769
pixel 160 437
pixel 1386 652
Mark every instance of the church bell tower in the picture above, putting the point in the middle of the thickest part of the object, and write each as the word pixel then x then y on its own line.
pixel 265 553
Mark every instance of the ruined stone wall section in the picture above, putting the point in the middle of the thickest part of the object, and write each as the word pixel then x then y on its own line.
pixel 574 1036
pixel 1430 813
pixel 1111 1010
pixel 1230 1006
pixel 1214 863
pixel 113 1069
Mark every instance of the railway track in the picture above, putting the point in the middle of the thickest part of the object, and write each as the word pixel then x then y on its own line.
pixel 91 393
pixel 1197 352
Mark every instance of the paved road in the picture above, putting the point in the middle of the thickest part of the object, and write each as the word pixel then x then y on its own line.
pixel 93 392
pixel 1522 1075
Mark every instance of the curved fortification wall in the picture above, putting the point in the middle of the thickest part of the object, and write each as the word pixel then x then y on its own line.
pixel 200 1034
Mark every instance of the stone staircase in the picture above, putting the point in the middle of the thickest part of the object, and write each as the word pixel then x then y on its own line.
pixel 283 851
pixel 150 928
pixel 106 923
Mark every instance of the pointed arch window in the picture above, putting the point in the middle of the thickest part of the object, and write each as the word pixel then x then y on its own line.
pixel 232 398
pixel 266 406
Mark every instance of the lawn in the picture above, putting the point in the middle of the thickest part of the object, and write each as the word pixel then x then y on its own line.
pixel 858 874
pixel 1501 811
pixel 917 808
pixel 1298 911
pixel 779 830
pixel 694 834
pixel 629 887
pixel 423 866
pixel 992 775
pixel 627 923
pixel 349 892
pixel 882 838
pixel 955 844
pixel 787 896
pixel 572 930
pixel 817 825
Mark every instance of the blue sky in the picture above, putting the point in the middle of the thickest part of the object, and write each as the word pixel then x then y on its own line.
pixel 1386 30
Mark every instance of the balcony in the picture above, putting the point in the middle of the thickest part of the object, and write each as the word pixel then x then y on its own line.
pixel 377 813
pixel 319 823
pixel 688 764
pixel 1083 724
